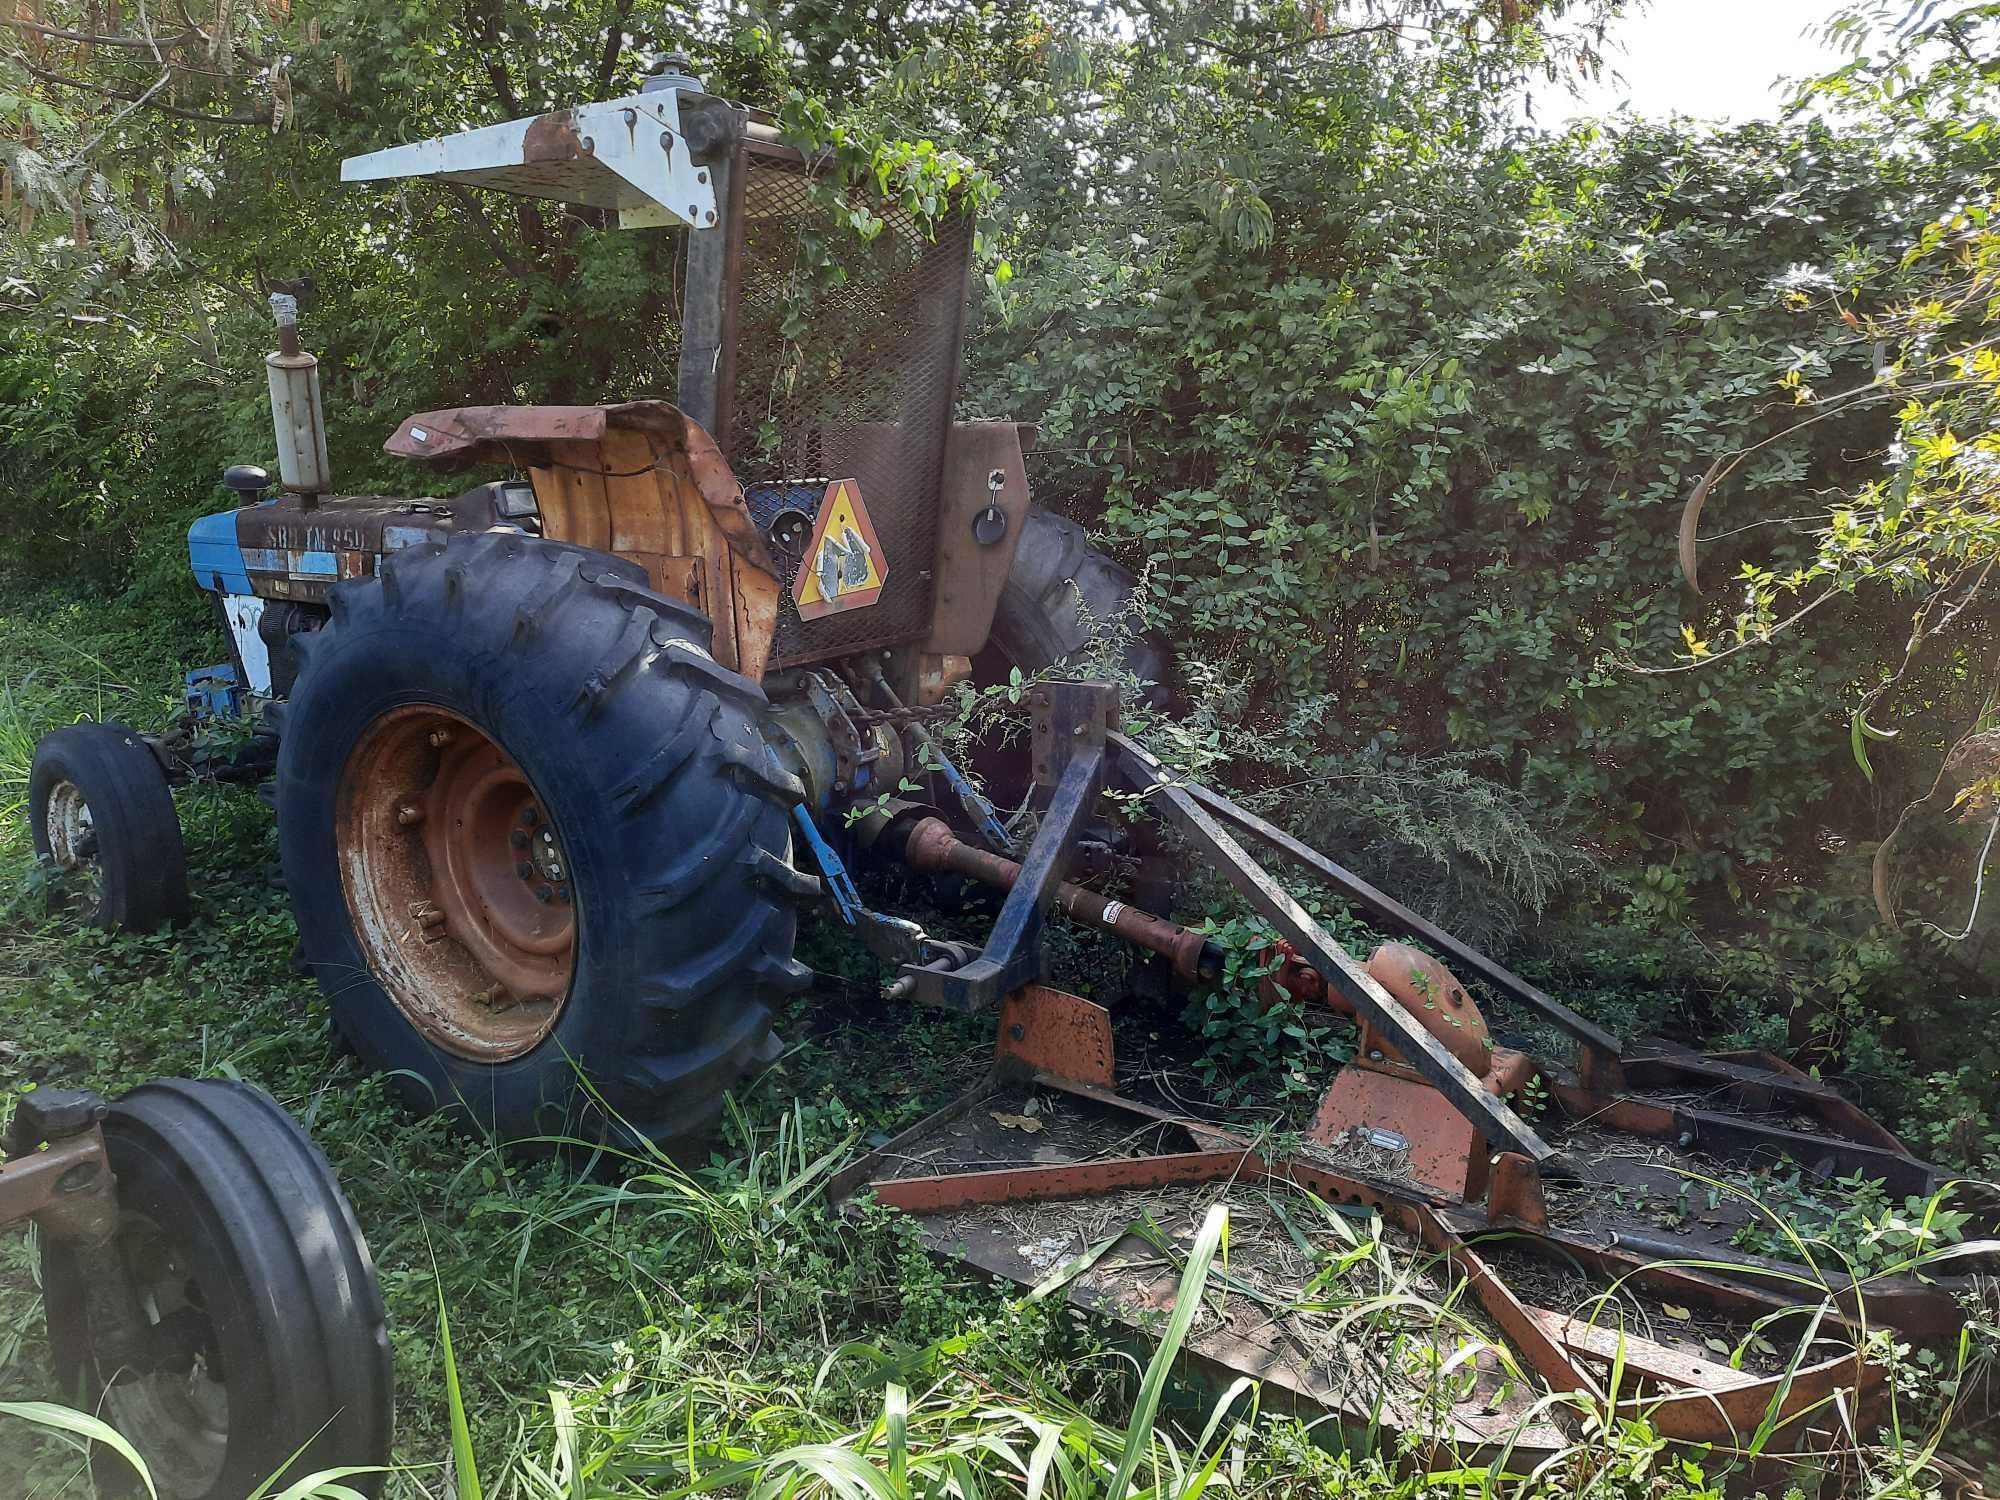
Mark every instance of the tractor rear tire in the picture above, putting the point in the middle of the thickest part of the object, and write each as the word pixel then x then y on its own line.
pixel 1060 596
pixel 102 812
pixel 245 1258
pixel 502 704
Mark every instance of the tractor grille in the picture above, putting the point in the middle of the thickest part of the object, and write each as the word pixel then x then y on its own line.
pixel 846 369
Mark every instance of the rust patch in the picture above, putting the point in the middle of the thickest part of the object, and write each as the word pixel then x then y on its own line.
pixel 553 137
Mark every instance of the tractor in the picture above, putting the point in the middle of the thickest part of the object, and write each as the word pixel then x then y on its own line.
pixel 558 763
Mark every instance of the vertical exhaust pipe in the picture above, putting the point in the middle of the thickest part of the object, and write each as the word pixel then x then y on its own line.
pixel 295 407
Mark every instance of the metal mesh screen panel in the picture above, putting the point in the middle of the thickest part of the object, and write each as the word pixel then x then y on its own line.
pixel 846 364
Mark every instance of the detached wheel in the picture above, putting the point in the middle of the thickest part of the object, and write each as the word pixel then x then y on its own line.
pixel 1061 594
pixel 103 815
pixel 535 842
pixel 265 1324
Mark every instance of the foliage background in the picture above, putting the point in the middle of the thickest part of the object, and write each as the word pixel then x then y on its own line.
pixel 1394 399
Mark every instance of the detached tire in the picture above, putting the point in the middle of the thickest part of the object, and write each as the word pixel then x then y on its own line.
pixel 246 1259
pixel 1060 594
pixel 102 813
pixel 533 836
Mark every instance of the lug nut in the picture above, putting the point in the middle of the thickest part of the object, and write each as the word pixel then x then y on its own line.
pixel 409 813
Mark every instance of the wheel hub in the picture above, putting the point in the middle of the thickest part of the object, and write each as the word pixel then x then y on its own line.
pixel 72 836
pixel 458 882
pixel 176 1414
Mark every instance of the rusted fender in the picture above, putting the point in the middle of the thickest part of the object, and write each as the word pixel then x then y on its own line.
pixel 461 436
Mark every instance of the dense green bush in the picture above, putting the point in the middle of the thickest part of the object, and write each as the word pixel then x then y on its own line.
pixel 1394 402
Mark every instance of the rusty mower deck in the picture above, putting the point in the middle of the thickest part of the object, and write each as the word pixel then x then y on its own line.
pixel 1425 1259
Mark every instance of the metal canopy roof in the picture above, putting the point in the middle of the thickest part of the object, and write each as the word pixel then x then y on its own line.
pixel 625 154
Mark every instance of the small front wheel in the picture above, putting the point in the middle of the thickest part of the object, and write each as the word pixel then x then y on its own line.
pixel 103 816
pixel 264 1330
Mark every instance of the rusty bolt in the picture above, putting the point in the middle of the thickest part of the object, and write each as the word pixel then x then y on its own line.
pixel 1018 1032
pixel 77 1178
pixel 409 813
pixel 440 738
pixel 1374 1054
pixel 545 893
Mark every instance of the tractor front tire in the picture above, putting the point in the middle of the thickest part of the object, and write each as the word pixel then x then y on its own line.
pixel 535 843
pixel 103 815
pixel 260 1300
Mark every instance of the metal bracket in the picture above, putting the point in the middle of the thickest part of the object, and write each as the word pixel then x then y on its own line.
pixel 1072 722
pixel 1175 798
pixel 1388 912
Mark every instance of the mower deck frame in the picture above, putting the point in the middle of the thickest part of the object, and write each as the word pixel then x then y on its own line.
pixel 968 1171
pixel 1408 1135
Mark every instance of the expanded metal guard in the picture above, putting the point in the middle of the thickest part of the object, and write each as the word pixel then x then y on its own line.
pixel 845 366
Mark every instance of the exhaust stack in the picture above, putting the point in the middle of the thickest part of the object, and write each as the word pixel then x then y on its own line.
pixel 295 406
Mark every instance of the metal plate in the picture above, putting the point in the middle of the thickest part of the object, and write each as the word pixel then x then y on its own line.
pixel 846 370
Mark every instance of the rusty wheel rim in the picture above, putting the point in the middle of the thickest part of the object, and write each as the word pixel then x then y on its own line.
pixel 458 883
pixel 73 846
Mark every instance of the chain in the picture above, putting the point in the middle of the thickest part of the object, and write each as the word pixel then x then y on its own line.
pixel 934 713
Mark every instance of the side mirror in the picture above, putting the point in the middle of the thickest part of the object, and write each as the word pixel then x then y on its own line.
pixel 247 481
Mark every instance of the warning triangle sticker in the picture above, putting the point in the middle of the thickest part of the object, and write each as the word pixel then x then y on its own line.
pixel 844 565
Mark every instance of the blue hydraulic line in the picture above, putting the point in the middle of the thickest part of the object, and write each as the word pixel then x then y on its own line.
pixel 839 883
pixel 970 798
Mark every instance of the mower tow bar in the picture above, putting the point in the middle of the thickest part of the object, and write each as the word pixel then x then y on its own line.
pixel 1176 800
pixel 1072 720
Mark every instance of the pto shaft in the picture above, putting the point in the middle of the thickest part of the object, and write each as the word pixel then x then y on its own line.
pixel 933 848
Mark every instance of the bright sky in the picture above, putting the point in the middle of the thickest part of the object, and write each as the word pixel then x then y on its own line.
pixel 1715 59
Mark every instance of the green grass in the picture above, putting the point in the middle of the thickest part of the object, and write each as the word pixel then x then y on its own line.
pixel 654 1331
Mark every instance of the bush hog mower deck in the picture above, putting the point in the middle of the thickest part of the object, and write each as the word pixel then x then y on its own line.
pixel 558 761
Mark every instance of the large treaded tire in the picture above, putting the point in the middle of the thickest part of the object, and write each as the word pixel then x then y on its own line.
pixel 259 1230
pixel 1059 594
pixel 647 756
pixel 140 862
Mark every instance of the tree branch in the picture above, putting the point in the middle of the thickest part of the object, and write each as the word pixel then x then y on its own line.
pixel 476 212
pixel 479 13
pixel 62 80
pixel 153 45
pixel 614 44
